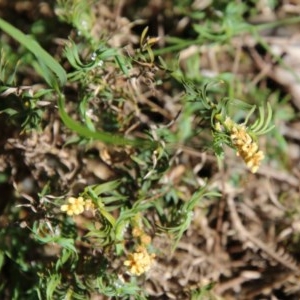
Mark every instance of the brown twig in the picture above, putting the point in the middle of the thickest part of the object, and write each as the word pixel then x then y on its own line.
pixel 282 258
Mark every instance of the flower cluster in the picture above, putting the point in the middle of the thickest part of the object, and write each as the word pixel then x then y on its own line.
pixel 140 261
pixel 141 235
pixel 246 147
pixel 77 206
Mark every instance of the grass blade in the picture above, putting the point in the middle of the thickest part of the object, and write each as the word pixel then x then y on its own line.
pixel 105 137
pixel 37 50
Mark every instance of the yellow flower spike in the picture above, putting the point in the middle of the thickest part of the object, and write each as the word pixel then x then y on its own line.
pixel 246 148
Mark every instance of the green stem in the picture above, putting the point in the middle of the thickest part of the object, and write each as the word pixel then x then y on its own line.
pixel 104 137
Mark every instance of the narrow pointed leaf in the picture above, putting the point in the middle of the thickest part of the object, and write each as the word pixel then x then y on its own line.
pixel 37 50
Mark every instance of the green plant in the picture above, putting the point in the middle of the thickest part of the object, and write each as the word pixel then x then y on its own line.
pixel 99 238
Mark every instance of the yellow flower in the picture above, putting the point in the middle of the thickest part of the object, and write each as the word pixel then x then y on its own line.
pixel 140 261
pixel 136 232
pixel 254 161
pixel 145 239
pixel 247 149
pixel 228 123
pixel 218 126
pixel 239 136
pixel 75 206
pixel 89 205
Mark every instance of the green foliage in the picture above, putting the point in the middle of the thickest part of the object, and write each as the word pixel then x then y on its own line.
pixel 90 249
pixel 182 216
pixel 98 135
pixel 203 293
pixel 48 65
pixel 78 14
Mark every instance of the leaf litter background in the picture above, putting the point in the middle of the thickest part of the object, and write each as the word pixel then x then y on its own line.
pixel 247 242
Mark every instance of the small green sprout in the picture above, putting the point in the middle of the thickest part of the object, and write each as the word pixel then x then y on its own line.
pixel 146 44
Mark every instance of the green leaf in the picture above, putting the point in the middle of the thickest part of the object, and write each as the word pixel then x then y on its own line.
pixel 2 259
pixel 38 51
pixel 104 187
pixel 122 64
pixel 105 137
pixel 52 284
pixel 66 243
pixel 107 216
pixel 9 111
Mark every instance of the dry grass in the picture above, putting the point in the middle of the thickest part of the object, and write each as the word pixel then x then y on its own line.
pixel 247 241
